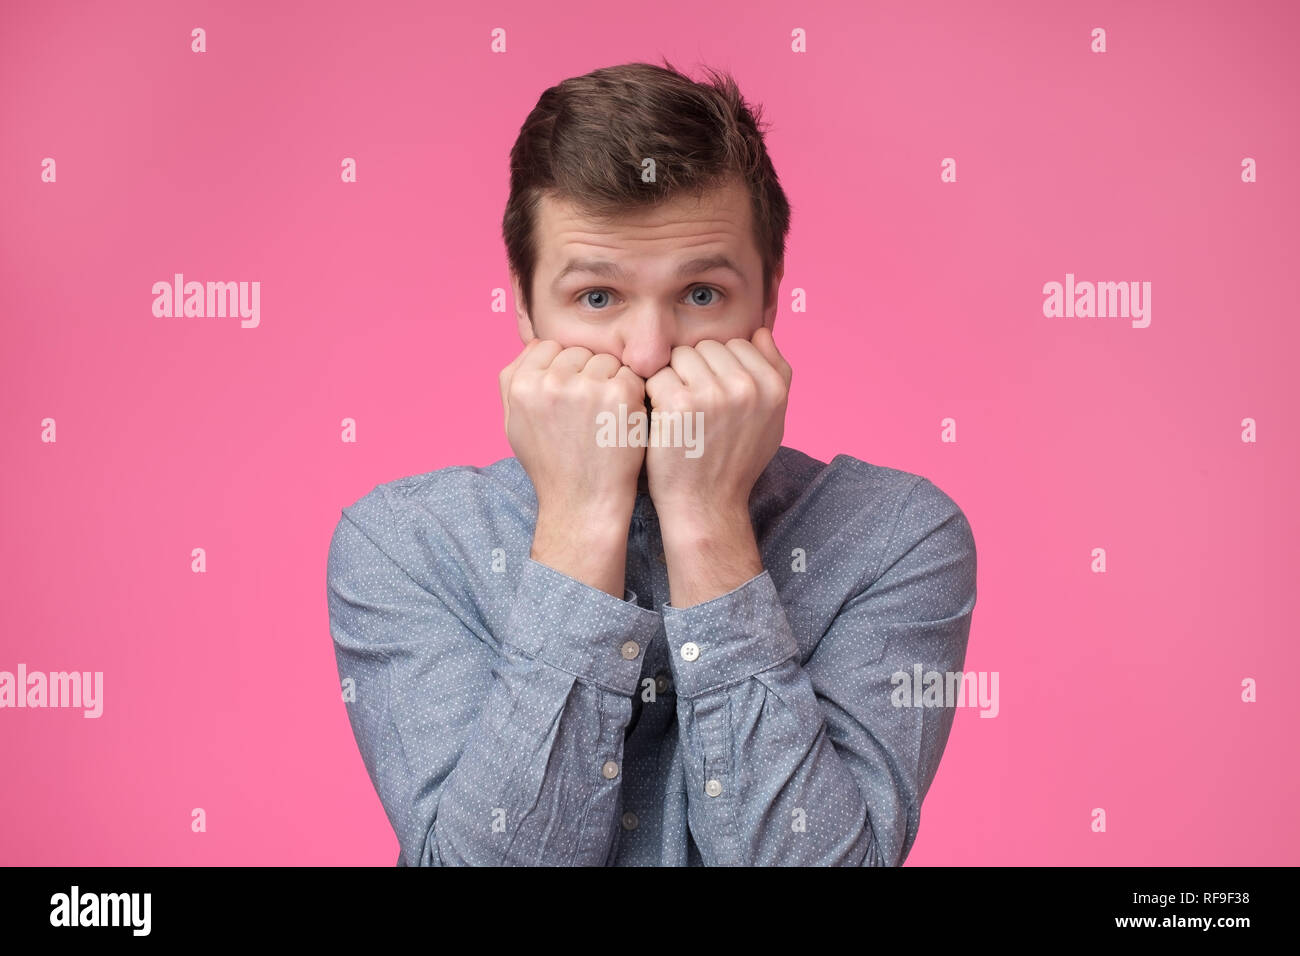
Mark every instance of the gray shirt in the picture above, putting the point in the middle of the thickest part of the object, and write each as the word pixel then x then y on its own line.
pixel 508 714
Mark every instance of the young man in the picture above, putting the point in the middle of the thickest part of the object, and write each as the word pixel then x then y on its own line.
pixel 603 653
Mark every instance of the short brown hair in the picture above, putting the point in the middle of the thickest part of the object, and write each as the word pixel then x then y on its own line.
pixel 585 140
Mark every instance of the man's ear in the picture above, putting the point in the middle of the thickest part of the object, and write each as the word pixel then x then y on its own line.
pixel 774 290
pixel 526 333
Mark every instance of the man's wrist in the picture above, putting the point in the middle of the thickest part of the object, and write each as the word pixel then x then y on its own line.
pixel 708 556
pixel 688 522
pixel 589 545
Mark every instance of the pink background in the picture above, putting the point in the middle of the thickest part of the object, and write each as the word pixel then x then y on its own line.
pixel 1119 690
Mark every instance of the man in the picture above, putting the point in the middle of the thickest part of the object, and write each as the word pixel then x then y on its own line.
pixel 608 653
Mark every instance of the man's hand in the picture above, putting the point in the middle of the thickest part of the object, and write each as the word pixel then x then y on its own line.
pixel 703 503
pixel 741 388
pixel 585 493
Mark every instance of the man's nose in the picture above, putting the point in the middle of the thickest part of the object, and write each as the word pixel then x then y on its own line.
pixel 648 341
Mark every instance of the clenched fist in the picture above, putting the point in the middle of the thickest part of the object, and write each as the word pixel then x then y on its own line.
pixel 551 397
pixel 739 389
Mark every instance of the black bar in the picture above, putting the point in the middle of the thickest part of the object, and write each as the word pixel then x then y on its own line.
pixel 914 906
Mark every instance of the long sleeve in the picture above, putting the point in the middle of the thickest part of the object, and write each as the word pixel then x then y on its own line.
pixel 482 757
pixel 815 764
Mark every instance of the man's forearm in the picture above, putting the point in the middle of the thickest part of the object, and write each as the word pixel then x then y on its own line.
pixel 589 546
pixel 708 555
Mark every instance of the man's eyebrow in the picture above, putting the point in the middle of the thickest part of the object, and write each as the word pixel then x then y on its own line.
pixel 611 270
pixel 704 263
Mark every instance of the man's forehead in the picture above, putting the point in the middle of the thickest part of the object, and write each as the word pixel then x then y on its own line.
pixel 724 205
pixel 720 218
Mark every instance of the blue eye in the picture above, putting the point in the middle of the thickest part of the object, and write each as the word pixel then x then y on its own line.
pixel 706 288
pixel 595 292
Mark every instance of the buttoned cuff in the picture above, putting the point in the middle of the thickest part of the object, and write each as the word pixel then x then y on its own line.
pixel 580 629
pixel 728 639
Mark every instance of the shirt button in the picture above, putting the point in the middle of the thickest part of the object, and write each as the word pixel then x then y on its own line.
pixel 630 650
pixel 629 821
pixel 713 788
pixel 610 770
pixel 661 682
pixel 690 651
